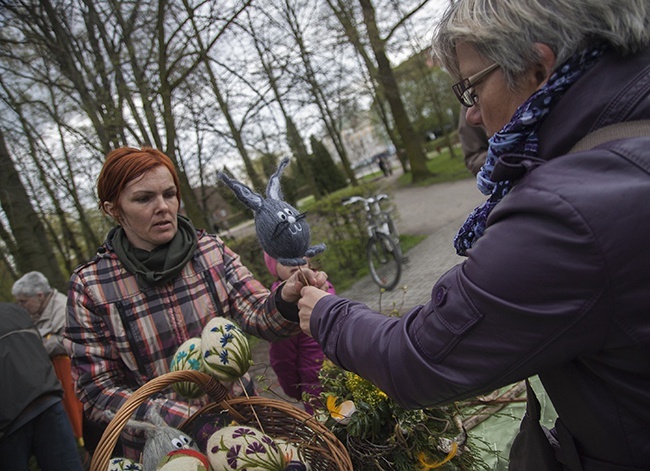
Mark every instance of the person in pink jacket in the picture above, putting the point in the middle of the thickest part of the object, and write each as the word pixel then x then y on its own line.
pixel 296 360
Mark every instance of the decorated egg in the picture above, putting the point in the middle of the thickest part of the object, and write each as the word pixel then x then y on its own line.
pixel 293 456
pixel 184 460
pixel 226 351
pixel 188 357
pixel 241 447
pixel 123 464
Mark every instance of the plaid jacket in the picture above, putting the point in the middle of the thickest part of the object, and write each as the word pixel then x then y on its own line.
pixel 121 336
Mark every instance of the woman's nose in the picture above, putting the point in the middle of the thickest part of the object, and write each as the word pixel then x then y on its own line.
pixel 473 116
pixel 161 203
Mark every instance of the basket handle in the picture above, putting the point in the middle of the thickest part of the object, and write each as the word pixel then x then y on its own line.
pixel 209 384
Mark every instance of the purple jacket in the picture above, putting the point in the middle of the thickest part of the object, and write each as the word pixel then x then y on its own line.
pixel 559 285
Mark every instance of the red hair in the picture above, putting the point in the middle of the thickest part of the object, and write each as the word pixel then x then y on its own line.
pixel 126 163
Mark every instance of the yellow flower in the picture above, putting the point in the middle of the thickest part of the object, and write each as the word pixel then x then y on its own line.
pixel 342 412
pixel 425 465
pixel 364 390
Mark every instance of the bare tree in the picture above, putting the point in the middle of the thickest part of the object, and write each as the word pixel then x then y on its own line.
pixel 223 104
pixel 294 139
pixel 381 72
pixel 33 250
pixel 289 11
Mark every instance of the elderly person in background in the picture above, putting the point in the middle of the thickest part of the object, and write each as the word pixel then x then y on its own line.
pixel 556 277
pixel 46 306
pixel 155 283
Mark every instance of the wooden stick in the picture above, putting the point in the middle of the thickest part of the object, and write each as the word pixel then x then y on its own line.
pixel 251 406
pixel 487 411
pixel 304 278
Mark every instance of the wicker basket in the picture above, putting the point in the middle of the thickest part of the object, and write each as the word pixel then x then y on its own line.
pixel 279 419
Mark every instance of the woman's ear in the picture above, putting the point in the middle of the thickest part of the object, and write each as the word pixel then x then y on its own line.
pixel 543 68
pixel 110 209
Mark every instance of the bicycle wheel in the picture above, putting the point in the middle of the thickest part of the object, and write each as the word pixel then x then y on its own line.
pixel 384 261
pixel 394 234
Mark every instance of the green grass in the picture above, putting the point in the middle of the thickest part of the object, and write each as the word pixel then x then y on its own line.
pixel 344 282
pixel 444 168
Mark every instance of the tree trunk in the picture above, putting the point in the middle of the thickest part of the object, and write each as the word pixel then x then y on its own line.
pixel 223 105
pixel 317 93
pixel 411 141
pixel 33 249
pixel 345 18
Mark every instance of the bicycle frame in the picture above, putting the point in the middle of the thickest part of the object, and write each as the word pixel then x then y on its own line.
pixel 383 247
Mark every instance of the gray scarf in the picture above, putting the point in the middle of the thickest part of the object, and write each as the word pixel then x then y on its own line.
pixel 162 264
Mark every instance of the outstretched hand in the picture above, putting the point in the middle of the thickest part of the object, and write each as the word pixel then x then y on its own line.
pixel 310 296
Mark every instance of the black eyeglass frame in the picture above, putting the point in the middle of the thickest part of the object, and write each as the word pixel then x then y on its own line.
pixel 464 89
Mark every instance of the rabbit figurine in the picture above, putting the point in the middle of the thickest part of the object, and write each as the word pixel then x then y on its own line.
pixel 282 231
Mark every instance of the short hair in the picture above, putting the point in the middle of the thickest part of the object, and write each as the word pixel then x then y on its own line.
pixel 126 163
pixel 31 284
pixel 505 30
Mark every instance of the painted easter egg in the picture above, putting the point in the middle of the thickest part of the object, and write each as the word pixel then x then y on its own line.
pixel 226 351
pixel 241 447
pixel 184 460
pixel 123 464
pixel 188 357
pixel 294 457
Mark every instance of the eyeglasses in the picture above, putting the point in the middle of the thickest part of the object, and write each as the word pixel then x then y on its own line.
pixel 464 89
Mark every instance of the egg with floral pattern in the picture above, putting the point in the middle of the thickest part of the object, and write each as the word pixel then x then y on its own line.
pixel 226 351
pixel 123 464
pixel 241 447
pixel 188 357
pixel 294 455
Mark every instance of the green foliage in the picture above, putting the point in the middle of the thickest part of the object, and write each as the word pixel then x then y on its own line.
pixel 269 162
pixel 342 229
pixel 381 432
pixel 327 174
pixel 443 167
pixel 252 256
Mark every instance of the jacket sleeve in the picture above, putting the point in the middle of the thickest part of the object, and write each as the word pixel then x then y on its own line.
pixel 103 380
pixel 251 305
pixel 53 340
pixel 504 314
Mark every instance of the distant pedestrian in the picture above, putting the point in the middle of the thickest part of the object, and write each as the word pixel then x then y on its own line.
pixel 32 418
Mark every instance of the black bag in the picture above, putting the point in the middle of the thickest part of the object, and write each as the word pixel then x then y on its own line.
pixel 534 448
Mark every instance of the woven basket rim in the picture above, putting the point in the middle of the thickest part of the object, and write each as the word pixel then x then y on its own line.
pixel 329 445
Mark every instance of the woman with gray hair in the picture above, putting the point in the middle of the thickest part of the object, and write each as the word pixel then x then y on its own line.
pixel 46 307
pixel 555 282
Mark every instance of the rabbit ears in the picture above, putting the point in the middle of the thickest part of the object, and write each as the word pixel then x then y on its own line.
pixel 273 190
pixel 252 199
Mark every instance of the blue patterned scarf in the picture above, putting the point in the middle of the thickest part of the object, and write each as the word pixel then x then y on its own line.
pixel 519 137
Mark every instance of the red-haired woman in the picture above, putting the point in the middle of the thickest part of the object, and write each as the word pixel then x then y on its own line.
pixel 154 283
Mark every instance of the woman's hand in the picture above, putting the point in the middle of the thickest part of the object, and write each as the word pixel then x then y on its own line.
pixel 301 278
pixel 310 296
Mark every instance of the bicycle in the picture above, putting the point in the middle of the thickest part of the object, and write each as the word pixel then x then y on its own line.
pixel 383 249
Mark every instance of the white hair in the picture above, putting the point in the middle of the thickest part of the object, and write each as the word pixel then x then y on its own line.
pixel 31 284
pixel 505 31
